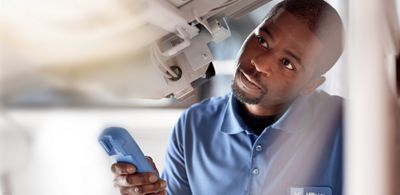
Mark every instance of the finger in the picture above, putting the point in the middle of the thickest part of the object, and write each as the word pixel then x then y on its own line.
pixel 155 188
pixel 129 191
pixel 151 161
pixel 159 186
pixel 159 193
pixel 123 168
pixel 135 179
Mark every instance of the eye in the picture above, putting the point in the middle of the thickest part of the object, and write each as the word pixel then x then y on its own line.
pixel 287 64
pixel 262 42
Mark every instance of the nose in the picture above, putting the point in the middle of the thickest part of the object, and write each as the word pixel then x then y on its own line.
pixel 263 66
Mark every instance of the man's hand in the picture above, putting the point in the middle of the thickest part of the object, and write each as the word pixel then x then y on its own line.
pixel 130 182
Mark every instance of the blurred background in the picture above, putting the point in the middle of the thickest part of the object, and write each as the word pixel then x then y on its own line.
pixel 67 72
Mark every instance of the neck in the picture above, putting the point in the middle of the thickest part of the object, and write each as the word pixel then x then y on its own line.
pixel 259 110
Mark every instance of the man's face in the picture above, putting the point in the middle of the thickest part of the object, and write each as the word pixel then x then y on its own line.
pixel 276 62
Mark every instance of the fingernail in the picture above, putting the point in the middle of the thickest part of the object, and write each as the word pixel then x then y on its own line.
pixel 130 170
pixel 163 184
pixel 153 178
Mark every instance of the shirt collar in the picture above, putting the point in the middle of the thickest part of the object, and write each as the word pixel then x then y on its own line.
pixel 232 123
pixel 295 117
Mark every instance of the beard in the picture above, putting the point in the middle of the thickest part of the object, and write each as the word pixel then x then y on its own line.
pixel 245 98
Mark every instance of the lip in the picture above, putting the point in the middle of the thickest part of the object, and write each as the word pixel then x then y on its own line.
pixel 248 82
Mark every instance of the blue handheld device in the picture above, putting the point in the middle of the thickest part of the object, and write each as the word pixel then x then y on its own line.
pixel 119 144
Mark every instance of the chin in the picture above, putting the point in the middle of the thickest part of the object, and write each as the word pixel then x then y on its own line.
pixel 244 97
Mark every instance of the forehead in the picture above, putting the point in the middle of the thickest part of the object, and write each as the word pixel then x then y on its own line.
pixel 293 34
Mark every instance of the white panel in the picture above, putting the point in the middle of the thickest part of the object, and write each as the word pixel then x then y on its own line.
pixel 65 157
pixel 370 108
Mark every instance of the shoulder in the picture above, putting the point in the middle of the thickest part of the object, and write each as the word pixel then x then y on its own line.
pixel 327 108
pixel 325 97
pixel 208 107
pixel 210 110
pixel 200 120
pixel 322 101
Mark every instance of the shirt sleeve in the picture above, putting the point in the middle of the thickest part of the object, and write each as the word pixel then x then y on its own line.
pixel 175 166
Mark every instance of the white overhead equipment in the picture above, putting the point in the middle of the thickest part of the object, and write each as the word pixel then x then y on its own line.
pixel 121 49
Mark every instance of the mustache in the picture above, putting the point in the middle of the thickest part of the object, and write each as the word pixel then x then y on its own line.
pixel 253 76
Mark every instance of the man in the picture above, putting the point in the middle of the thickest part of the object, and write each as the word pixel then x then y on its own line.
pixel 274 134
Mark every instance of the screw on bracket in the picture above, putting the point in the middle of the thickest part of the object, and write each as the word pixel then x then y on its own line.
pixel 177 70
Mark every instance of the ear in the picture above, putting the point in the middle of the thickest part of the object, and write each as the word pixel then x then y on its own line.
pixel 312 85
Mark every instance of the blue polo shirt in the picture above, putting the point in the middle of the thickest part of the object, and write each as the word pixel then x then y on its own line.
pixel 212 151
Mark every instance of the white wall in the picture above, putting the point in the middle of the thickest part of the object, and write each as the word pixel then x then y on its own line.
pixel 65 158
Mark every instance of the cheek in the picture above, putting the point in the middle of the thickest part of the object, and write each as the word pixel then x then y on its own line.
pixel 247 49
pixel 283 87
pixel 243 54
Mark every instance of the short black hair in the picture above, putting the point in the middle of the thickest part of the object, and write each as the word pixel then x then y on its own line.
pixel 323 20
